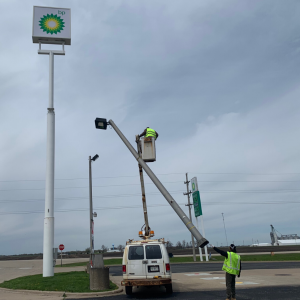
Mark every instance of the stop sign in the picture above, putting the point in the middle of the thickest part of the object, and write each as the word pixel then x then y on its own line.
pixel 61 247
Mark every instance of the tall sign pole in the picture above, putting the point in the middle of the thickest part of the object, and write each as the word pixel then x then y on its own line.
pixel 198 210
pixel 50 26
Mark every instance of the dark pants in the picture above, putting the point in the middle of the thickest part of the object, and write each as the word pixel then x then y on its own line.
pixel 230 285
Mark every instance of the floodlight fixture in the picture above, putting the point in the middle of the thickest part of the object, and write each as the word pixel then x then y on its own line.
pixel 95 157
pixel 101 123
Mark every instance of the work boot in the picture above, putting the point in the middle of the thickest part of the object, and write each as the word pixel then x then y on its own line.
pixel 233 298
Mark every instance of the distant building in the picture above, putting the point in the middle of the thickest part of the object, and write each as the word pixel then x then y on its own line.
pixel 261 245
pixel 283 239
pixel 113 250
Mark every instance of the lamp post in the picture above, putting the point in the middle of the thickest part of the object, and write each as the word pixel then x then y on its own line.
pixel 91 210
pixel 102 123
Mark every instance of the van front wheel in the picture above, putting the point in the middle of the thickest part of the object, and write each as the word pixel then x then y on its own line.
pixel 128 290
pixel 169 288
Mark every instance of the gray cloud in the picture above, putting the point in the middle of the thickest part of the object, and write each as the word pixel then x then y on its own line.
pixel 217 79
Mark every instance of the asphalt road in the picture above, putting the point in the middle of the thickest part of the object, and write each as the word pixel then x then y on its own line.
pixel 261 293
pixel 210 267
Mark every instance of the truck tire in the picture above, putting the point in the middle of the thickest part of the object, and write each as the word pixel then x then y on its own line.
pixel 128 290
pixel 169 288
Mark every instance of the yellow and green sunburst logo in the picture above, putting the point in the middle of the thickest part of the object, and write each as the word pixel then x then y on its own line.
pixel 52 24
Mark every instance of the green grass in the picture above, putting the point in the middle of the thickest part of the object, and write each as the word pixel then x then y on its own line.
pixel 72 282
pixel 112 261
pixel 259 257
pixel 269 257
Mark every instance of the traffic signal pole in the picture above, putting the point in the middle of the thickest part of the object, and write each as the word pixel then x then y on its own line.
pixel 187 222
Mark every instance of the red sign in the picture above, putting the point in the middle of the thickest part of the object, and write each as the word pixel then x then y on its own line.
pixel 61 247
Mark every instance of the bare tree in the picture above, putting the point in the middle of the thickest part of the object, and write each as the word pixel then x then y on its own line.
pixel 178 245
pixel 104 248
pixel 169 244
pixel 120 247
pixel 183 244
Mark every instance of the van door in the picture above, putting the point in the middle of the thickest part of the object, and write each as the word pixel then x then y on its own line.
pixel 155 262
pixel 136 262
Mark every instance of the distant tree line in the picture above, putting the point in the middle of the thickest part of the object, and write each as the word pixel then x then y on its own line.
pixel 180 245
pixel 104 249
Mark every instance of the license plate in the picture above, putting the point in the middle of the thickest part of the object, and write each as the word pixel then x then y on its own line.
pixel 153 268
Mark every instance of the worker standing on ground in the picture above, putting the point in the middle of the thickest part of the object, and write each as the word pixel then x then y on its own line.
pixel 148 132
pixel 232 266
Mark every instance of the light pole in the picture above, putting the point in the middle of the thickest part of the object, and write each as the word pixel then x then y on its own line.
pixel 91 210
pixel 225 229
pixel 102 123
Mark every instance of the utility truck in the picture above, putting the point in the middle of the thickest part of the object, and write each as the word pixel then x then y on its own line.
pixel 146 263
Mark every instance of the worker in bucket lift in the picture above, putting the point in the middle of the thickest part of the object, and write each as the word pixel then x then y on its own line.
pixel 148 132
pixel 232 266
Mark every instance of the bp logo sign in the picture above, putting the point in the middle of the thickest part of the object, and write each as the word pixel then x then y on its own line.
pixel 51 24
pixel 193 186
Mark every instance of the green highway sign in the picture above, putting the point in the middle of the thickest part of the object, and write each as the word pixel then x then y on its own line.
pixel 197 204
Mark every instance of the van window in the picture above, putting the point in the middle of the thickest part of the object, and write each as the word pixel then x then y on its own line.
pixel 136 252
pixel 153 252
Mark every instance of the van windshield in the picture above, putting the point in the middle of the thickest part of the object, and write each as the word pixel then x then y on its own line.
pixel 153 252
pixel 136 252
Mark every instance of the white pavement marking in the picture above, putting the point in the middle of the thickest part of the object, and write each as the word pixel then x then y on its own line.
pixel 212 278
pixel 197 274
pixel 244 283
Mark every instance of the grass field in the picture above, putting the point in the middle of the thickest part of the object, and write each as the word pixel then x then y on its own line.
pixel 260 257
pixel 72 282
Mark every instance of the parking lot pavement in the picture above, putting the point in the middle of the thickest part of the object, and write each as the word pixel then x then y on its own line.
pixel 197 281
pixel 262 293
pixel 10 269
pixel 185 282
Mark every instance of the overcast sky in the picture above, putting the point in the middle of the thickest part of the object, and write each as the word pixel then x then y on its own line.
pixel 218 80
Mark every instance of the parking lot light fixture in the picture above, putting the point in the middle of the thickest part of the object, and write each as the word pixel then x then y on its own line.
pixel 95 157
pixel 101 123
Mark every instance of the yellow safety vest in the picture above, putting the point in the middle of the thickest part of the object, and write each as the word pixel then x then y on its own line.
pixel 232 263
pixel 150 132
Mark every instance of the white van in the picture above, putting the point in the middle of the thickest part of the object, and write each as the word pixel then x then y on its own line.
pixel 146 263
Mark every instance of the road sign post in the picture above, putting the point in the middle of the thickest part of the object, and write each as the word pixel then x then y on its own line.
pixel 61 248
